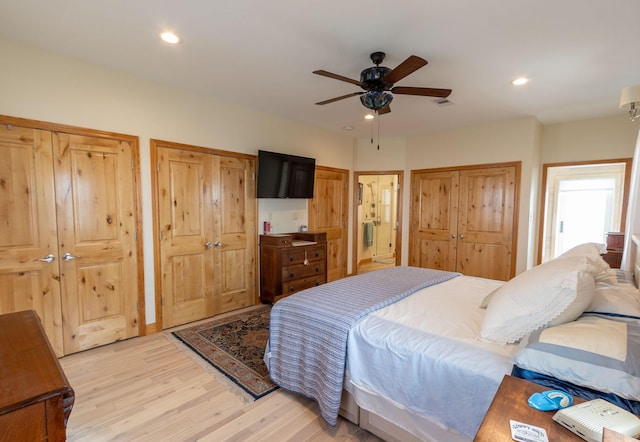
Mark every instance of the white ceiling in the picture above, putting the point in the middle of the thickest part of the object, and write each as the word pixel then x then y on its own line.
pixel 578 54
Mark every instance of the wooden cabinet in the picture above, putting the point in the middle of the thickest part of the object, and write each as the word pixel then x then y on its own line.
pixel 615 245
pixel 510 403
pixel 36 397
pixel 291 262
pixel 464 219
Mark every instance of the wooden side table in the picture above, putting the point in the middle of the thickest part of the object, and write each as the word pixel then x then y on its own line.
pixel 510 403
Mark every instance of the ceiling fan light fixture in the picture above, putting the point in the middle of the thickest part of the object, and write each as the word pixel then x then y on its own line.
pixel 520 81
pixel 376 100
pixel 369 117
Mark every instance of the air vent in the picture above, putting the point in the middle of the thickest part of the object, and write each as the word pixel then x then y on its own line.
pixel 443 102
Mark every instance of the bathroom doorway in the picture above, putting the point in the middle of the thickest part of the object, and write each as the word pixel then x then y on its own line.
pixel 377 206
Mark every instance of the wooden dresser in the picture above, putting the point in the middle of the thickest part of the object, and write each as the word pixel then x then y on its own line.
pixel 36 397
pixel 291 262
pixel 615 245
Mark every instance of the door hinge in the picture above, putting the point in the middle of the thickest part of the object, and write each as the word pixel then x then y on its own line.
pixel 160 235
pixel 135 236
pixel 158 166
pixel 138 305
pixel 253 176
pixel 132 165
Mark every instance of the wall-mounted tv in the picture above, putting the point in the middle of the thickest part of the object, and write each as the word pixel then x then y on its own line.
pixel 285 176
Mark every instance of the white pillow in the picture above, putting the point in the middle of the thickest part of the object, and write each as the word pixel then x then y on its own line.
pixel 586 249
pixel 552 293
pixel 615 299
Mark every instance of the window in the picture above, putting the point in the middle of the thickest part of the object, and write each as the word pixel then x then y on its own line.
pixel 582 202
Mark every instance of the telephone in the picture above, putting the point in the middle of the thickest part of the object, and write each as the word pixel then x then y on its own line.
pixel 589 418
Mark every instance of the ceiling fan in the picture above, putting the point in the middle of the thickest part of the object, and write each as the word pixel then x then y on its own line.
pixel 378 83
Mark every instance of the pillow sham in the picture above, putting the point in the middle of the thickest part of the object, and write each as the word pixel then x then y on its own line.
pixel 555 292
pixel 592 352
pixel 615 299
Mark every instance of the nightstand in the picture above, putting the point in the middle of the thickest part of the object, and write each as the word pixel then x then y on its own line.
pixel 510 403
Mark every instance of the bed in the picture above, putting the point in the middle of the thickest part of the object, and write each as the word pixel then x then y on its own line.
pixel 420 353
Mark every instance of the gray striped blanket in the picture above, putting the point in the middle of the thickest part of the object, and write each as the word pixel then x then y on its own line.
pixel 308 331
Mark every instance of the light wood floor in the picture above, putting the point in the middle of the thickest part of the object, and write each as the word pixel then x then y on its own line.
pixel 150 389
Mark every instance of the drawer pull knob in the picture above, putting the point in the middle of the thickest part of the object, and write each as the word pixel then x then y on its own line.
pixel 317 269
pixel 291 289
pixel 290 274
pixel 291 258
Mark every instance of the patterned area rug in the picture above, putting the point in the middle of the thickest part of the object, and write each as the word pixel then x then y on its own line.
pixel 235 346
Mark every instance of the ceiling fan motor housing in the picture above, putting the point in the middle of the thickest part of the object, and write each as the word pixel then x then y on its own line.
pixel 372 79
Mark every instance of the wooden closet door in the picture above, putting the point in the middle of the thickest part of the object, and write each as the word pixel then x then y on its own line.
pixel 434 214
pixel 234 228
pixel 486 222
pixel 96 227
pixel 328 212
pixel 28 232
pixel 189 255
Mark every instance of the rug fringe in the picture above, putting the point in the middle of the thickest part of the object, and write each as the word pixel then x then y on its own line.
pixel 217 375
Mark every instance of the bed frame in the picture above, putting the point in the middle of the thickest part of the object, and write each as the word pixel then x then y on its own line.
pixel 391 432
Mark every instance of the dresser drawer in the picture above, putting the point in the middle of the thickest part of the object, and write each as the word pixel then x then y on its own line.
pixel 291 287
pixel 298 271
pixel 297 255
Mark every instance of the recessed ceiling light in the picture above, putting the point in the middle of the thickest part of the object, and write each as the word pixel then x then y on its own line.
pixel 347 127
pixel 519 81
pixel 369 117
pixel 170 38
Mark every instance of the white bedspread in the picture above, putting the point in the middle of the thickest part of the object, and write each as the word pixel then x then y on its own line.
pixel 423 354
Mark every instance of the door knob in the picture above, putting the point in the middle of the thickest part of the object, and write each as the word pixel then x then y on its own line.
pixel 68 256
pixel 48 258
pixel 453 236
pixel 461 236
pixel 208 244
pixel 217 244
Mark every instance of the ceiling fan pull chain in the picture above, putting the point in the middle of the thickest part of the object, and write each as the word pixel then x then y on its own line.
pixel 378 130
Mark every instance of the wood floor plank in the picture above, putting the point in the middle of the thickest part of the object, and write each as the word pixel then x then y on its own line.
pixel 151 389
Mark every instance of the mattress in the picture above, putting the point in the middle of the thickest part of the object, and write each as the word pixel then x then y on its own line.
pixel 422 356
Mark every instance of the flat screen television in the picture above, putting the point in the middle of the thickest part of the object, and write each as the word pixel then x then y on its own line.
pixel 285 176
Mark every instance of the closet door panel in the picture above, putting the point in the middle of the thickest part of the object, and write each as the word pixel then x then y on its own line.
pixel 234 207
pixel 187 221
pixel 486 222
pixel 96 226
pixel 434 211
pixel 328 212
pixel 28 230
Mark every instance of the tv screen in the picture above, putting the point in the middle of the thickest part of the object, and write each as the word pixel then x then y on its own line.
pixel 285 176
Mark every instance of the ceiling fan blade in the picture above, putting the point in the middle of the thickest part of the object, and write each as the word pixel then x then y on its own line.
pixel 409 66
pixel 384 110
pixel 423 91
pixel 342 97
pixel 337 77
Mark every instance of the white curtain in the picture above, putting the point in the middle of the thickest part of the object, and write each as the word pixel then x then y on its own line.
pixel 633 212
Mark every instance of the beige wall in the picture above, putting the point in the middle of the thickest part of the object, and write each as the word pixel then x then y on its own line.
pixel 45 86
pixel 585 140
pixel 48 87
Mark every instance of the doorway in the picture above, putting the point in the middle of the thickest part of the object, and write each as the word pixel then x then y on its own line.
pixel 583 202
pixel 377 214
